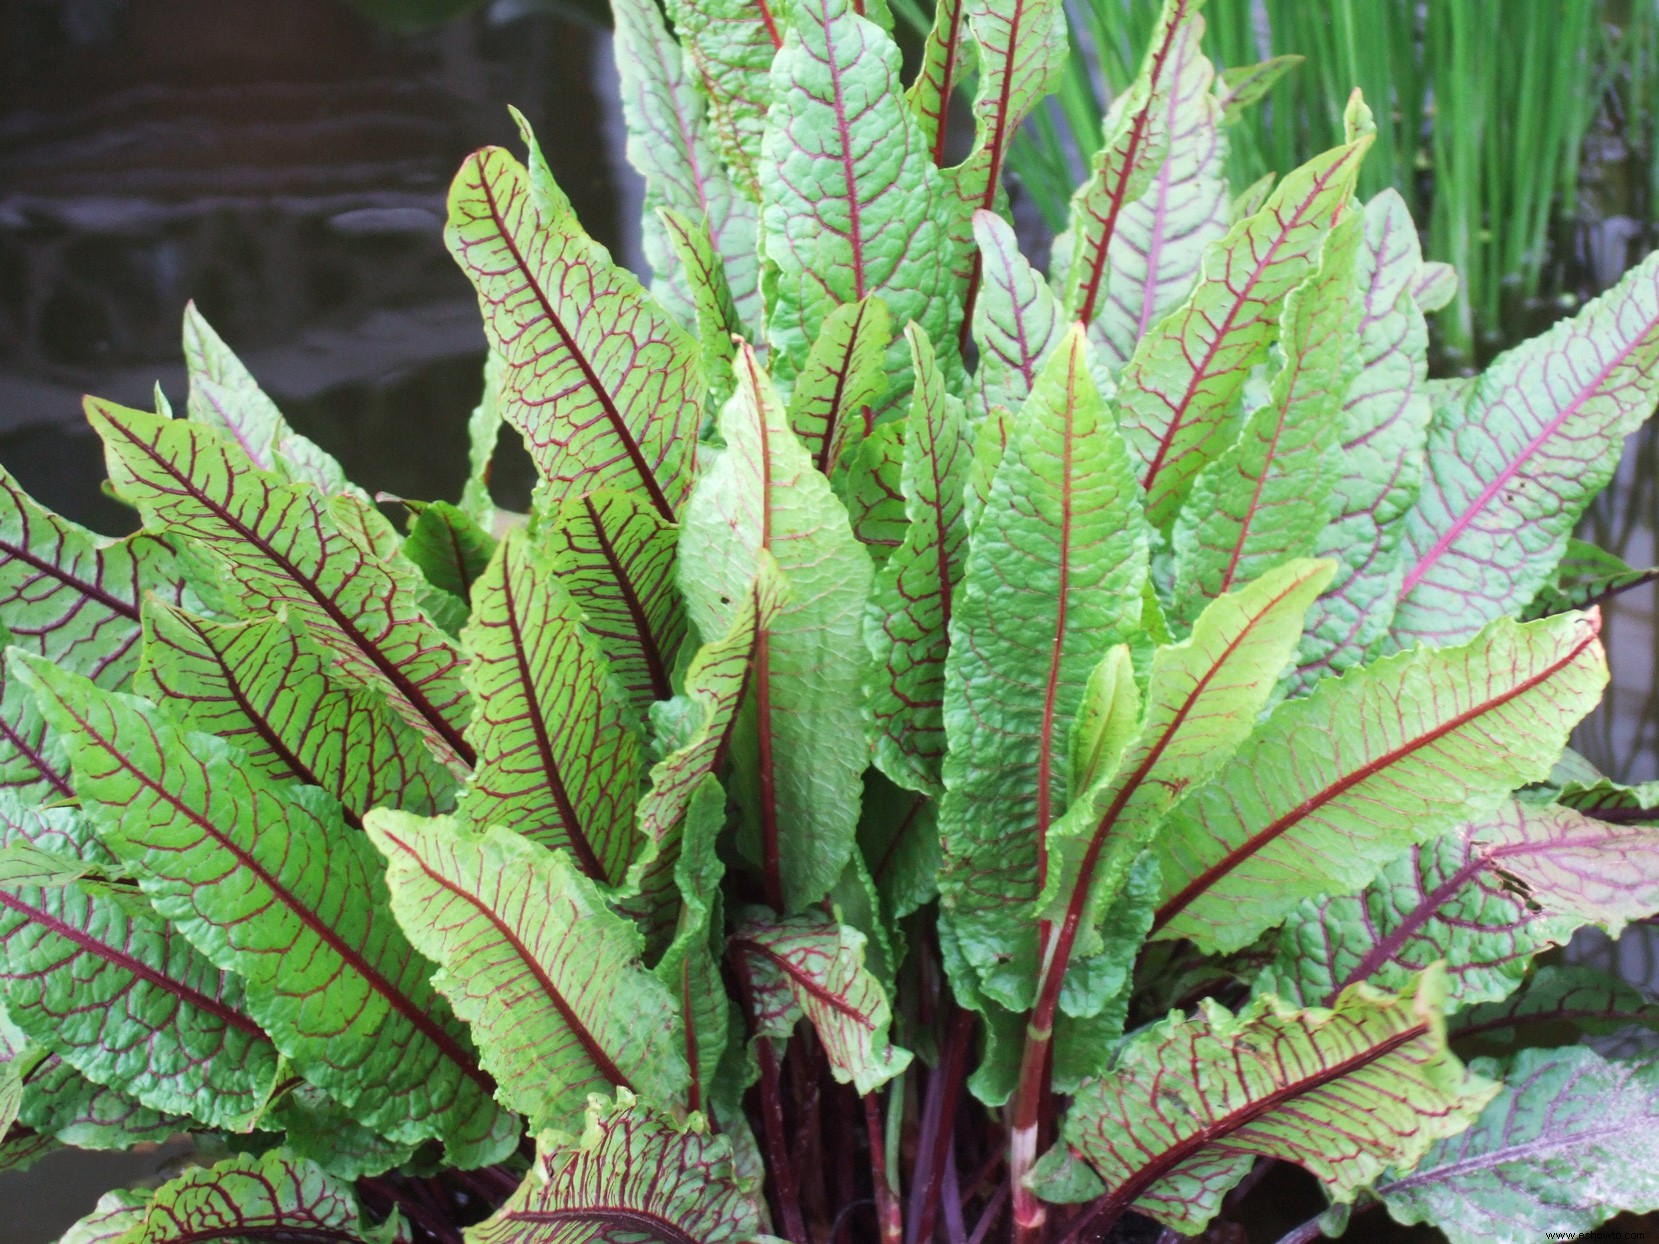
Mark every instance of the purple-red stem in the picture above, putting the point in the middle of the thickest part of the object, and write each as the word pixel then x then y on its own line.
pixel 771 1115
pixel 887 1204
pixel 938 1123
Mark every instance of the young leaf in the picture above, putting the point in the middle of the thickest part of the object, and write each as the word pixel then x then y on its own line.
pixel 801 751
pixel 604 386
pixel 1511 468
pixel 851 204
pixel 103 982
pixel 1053 578
pixel 945 58
pixel 717 320
pixel 716 682
pixel 1385 417
pixel 559 760
pixel 1177 393
pixel 669 143
pixel 448 547
pixel 274 1197
pixel 1158 238
pixel 286 546
pixel 259 685
pixel 1267 497
pixel 633 1173
pixel 1202 700
pixel 265 880
pixel 226 398
pixel 617 559
pixel 1486 898
pixel 532 959
pixel 1017 320
pixel 908 622
pixel 483 433
pixel 1191 1103
pixel 810 965
pixel 1331 786
pixel 729 46
pixel 1136 146
pixel 1565 1146
pixel 840 381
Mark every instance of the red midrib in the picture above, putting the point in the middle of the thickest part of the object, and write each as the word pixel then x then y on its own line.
pixel 613 416
pixel 855 224
pixel 590 1044
pixel 648 648
pixel 1255 503
pixel 1128 1192
pixel 946 85
pixel 1136 137
pixel 1508 473
pixel 832 418
pixel 399 1002
pixel 771 24
pixel 575 831
pixel 90 590
pixel 55 779
pixel 805 983
pixel 264 730
pixel 192 997
pixel 410 692
pixel 1200 373
pixel 1308 806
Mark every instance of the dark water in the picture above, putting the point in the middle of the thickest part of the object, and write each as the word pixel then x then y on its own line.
pixel 285 164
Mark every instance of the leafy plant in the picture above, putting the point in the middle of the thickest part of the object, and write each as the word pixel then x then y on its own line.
pixel 949 751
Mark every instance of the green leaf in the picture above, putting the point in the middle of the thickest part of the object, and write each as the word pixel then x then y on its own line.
pixel 800 748
pixel 874 491
pixel 1384 421
pixel 266 880
pixel 559 759
pixel 261 686
pixel 670 143
pixel 1017 319
pixel 225 397
pixel 1586 576
pixel 548 978
pixel 286 546
pixel 716 681
pixel 1053 579
pixel 1330 787
pixel 1158 238
pixel 1486 898
pixel 1178 392
pixel 605 388
pixel 111 1221
pixel 1246 85
pixel 908 620
pixel 1021 53
pixel 617 559
pixel 633 1173
pixel 851 203
pixel 1267 497
pixel 809 965
pixel 1191 1103
pixel 275 1197
pixel 1558 1006
pixel 448 547
pixel 716 315
pixel 1201 703
pixel 898 833
pixel 113 990
pixel 946 57
pixel 1135 147
pixel 840 381
pixel 1568 1144
pixel 1512 466
pixel 483 433
pixel 729 46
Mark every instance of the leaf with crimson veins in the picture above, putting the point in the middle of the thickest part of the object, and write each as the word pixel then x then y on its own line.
pixel 1190 1104
pixel 606 389
pixel 547 976
pixel 633 1174
pixel 266 880
pixel 330 562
